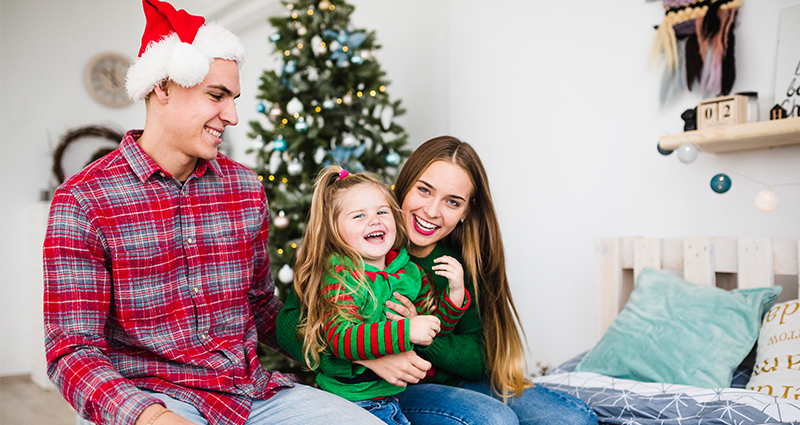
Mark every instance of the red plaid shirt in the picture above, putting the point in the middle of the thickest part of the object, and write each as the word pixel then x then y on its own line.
pixel 157 285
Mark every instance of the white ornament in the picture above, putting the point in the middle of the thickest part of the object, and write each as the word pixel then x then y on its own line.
pixel 275 112
pixel 349 141
pixel 274 162
pixel 319 155
pixel 281 221
pixel 324 4
pixel 313 75
pixel 687 153
pixel 294 106
pixel 286 274
pixel 294 168
pixel 302 31
pixel 766 200
pixel 386 117
pixel 347 99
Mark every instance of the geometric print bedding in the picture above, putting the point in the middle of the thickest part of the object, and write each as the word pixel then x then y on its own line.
pixel 627 402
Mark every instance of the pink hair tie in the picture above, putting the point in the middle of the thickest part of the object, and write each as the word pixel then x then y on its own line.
pixel 343 174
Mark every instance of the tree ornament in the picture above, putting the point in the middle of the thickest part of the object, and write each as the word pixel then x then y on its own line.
pixel 301 125
pixel 324 5
pixel 393 158
pixel 275 37
pixel 766 200
pixel 319 155
pixel 687 153
pixel 275 112
pixel 302 31
pixel 328 104
pixel 387 115
pixel 349 141
pixel 295 106
pixel 281 221
pixel 290 67
pixel 720 183
pixel 347 99
pixel 279 144
pixel 261 108
pixel 274 162
pixel 294 168
pixel 286 274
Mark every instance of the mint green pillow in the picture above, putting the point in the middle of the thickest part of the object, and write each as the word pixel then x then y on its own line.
pixel 676 332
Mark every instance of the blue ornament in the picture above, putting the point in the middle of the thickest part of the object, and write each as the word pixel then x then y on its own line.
pixel 301 126
pixel 261 108
pixel 663 151
pixel 275 37
pixel 327 104
pixel 393 158
pixel 346 39
pixel 720 183
pixel 290 67
pixel 358 60
pixel 279 144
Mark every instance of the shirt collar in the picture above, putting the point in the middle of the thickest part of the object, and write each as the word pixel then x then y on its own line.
pixel 144 166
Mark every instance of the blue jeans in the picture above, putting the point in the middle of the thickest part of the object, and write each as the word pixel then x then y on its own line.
pixel 298 405
pixel 387 410
pixel 475 404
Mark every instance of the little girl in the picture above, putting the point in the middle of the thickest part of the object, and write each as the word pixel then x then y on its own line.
pixel 352 261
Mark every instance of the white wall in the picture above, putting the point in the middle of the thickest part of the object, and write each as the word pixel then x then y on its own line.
pixel 556 97
pixel 558 100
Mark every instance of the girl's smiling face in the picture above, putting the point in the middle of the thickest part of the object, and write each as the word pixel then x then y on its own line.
pixel 366 223
pixel 435 205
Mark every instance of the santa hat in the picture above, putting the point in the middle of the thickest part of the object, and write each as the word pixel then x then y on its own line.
pixel 179 47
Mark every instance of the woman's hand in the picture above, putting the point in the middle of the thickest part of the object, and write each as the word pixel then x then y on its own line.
pixel 399 369
pixel 450 268
pixel 400 311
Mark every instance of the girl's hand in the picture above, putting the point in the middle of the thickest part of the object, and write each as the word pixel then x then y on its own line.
pixel 399 369
pixel 400 311
pixel 423 329
pixel 450 268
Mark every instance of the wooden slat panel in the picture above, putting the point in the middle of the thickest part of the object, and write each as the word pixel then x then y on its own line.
pixel 726 255
pixel 786 253
pixel 698 261
pixel 626 254
pixel 755 263
pixel 646 253
pixel 671 254
pixel 608 275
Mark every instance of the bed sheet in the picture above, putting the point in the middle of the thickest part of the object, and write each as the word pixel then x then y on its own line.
pixel 627 402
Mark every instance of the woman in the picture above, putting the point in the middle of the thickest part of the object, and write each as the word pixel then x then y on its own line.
pixel 478 369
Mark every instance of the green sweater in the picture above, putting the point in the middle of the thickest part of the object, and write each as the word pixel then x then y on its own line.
pixel 368 334
pixel 456 356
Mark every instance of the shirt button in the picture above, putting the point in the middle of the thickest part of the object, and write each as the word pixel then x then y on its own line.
pixel 204 335
pixel 195 290
pixel 162 174
pixel 189 240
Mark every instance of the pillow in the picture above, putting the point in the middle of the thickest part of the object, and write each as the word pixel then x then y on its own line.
pixel 676 332
pixel 777 369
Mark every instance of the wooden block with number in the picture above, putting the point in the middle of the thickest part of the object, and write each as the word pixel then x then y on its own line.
pixel 725 110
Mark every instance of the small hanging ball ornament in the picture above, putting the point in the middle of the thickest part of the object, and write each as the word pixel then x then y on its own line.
pixel 281 221
pixel 294 168
pixel 261 108
pixel 279 144
pixel 302 31
pixel 295 106
pixel 301 125
pixel 275 37
pixel 286 274
pixel 393 158
pixel 324 4
pixel 766 200
pixel 687 153
pixel 327 104
pixel 721 183
pixel 663 151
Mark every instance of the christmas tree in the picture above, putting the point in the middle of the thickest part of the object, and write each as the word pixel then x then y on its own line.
pixel 327 105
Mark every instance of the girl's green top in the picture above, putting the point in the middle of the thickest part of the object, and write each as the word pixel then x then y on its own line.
pixel 455 356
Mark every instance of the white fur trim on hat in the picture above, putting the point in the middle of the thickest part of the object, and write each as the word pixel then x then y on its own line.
pixel 185 64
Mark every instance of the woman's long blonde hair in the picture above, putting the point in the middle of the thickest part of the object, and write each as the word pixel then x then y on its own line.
pixel 481 245
pixel 322 239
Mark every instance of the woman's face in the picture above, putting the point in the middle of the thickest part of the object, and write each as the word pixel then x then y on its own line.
pixel 435 205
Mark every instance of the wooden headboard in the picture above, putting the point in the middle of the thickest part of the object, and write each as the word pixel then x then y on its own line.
pixel 727 263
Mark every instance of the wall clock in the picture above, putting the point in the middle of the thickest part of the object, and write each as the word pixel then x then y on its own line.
pixel 105 79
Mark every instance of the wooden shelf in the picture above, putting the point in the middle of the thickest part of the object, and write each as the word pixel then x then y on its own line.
pixel 739 137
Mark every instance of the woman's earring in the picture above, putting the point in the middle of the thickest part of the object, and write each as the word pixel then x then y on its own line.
pixel 462 219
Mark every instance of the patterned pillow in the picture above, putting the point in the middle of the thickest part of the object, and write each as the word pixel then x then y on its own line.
pixel 677 332
pixel 777 369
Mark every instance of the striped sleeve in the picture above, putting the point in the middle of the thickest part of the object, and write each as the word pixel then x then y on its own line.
pixel 447 312
pixel 356 340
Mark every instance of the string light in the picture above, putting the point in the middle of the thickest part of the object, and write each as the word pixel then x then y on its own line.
pixel 344 49
pixel 294 246
pixel 271 177
pixel 382 88
pixel 280 250
pixel 260 178
pixel 339 100
pixel 297 115
pixel 359 94
pixel 310 12
pixel 317 109
pixel 299 45
pixel 284 121
pixel 372 93
pixel 287 53
pixel 284 180
pixel 294 15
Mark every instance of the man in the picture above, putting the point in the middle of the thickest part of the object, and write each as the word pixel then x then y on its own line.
pixel 157 278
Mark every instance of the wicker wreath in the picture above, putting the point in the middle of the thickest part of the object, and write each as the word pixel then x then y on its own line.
pixel 78 133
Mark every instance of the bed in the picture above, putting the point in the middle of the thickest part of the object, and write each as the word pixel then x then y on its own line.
pixel 697 367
